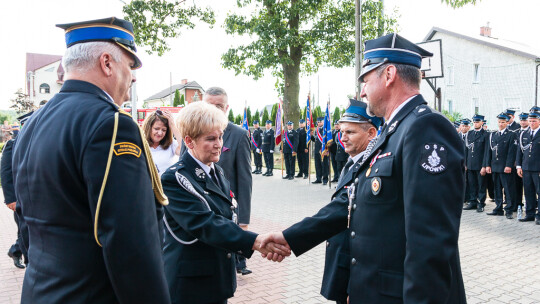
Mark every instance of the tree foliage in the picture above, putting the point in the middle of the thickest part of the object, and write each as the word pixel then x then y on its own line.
pixel 273 114
pixel 248 115
pixel 265 116
pixel 176 101
pixel 22 103
pixel 292 37
pixel 256 116
pixel 231 116
pixel 336 115
pixel 454 116
pixel 154 21
pixel 182 100
pixel 459 3
pixel 238 119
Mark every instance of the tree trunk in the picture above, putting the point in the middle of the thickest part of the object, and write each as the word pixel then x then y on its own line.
pixel 292 89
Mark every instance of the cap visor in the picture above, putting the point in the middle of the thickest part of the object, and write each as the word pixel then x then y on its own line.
pixel 138 63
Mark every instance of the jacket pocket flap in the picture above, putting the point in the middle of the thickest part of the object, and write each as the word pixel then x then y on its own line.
pixel 382 167
pixel 390 283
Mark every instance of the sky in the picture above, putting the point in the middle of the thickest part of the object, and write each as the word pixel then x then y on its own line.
pixel 29 26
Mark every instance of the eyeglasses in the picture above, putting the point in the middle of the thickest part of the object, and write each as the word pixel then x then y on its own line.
pixel 159 112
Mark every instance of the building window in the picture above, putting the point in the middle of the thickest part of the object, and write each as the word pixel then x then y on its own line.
pixel 44 88
pixel 449 75
pixel 476 103
pixel 476 73
pixel 450 106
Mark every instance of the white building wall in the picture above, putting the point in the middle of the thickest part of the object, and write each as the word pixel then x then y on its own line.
pixel 505 79
pixel 47 74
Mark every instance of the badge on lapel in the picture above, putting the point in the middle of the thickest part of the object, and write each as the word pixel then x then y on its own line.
pixel 433 158
pixel 376 185
pixel 199 172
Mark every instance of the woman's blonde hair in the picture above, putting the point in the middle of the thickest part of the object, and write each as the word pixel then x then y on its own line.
pixel 199 118
pixel 147 128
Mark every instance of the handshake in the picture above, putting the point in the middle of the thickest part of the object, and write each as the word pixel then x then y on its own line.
pixel 272 246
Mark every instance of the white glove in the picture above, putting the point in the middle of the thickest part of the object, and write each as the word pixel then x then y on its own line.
pixel 258 150
pixel 271 151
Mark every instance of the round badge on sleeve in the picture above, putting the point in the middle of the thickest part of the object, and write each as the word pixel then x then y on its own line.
pixel 376 185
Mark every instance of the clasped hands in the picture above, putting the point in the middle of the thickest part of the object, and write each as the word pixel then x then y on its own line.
pixel 272 246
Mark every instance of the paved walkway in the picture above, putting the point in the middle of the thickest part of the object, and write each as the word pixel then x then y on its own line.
pixel 499 257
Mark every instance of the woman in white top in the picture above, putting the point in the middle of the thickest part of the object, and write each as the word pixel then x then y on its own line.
pixel 159 129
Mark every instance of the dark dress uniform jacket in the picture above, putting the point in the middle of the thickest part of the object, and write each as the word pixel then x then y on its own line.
pixel 268 142
pixel 301 132
pixel 257 138
pixel 7 173
pixel 60 156
pixel 476 142
pixel 204 271
pixel 235 160
pixel 501 151
pixel 293 138
pixel 341 155
pixel 404 240
pixel 315 137
pixel 528 152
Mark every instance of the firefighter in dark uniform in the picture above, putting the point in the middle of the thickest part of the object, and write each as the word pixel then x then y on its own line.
pixel 268 145
pixel 404 247
pixel 303 153
pixel 94 216
pixel 528 166
pixel 341 155
pixel 333 150
pixel 524 127
pixel 256 145
pixel 475 142
pixel 321 161
pixel 499 160
pixel 489 180
pixel 464 128
pixel 512 124
pixel 290 146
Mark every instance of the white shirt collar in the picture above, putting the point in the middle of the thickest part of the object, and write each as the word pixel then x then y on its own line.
pixel 502 131
pixel 396 111
pixel 534 130
pixel 110 98
pixel 205 167
pixel 357 157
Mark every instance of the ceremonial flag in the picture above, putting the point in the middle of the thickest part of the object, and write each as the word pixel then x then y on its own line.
pixel 245 123
pixel 279 116
pixel 308 122
pixel 327 129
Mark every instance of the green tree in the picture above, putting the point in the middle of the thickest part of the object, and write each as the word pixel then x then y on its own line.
pixel 336 115
pixel 231 116
pixel 248 115
pixel 264 116
pixel 182 100
pixel 454 116
pixel 154 21
pixel 273 114
pixel 21 103
pixel 459 3
pixel 303 114
pixel 176 101
pixel 291 37
pixel 238 119
pixel 317 112
pixel 256 116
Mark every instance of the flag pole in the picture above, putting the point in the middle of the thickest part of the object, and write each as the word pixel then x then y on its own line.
pixel 282 137
pixel 328 148
pixel 308 123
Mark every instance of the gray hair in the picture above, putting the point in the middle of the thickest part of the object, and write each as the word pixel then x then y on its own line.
pixel 215 91
pixel 409 74
pixel 83 56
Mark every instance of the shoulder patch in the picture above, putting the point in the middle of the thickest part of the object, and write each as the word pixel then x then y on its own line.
pixel 127 148
pixel 421 110
pixel 433 159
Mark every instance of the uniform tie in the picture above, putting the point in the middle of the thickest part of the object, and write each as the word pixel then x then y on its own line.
pixel 213 177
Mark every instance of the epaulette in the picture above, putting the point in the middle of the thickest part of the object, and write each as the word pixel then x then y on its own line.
pixel 122 111
pixel 421 110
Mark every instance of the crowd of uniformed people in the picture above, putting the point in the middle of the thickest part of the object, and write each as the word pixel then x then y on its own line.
pixel 179 235
pixel 504 163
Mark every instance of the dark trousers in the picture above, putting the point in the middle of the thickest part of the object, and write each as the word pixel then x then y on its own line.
pixel 490 186
pixel 477 187
pixel 240 262
pixel 321 167
pixel 303 164
pixel 504 181
pixel 340 165
pixel 518 181
pixel 289 163
pixel 531 185
pixel 467 188
pixel 257 157
pixel 18 249
pixel 269 160
pixel 334 166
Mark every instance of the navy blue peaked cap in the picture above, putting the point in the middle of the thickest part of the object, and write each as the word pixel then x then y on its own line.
pixel 290 123
pixel 302 121
pixel 456 124
pixel 465 121
pixel 256 122
pixel 510 112
pixel 535 112
pixel 391 48
pixel 478 117
pixel 357 112
pixel 111 29
pixel 523 116
pixel 269 121
pixel 503 115
pixel 320 118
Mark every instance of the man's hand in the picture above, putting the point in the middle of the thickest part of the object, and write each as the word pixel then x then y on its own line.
pixel 258 150
pixel 271 249
pixel 488 170
pixel 507 170
pixel 520 172
pixel 483 171
pixel 271 242
pixel 271 151
pixel 294 154
pixel 12 206
pixel 306 150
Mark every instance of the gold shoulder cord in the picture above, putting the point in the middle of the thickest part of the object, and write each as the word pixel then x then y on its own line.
pixel 156 182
